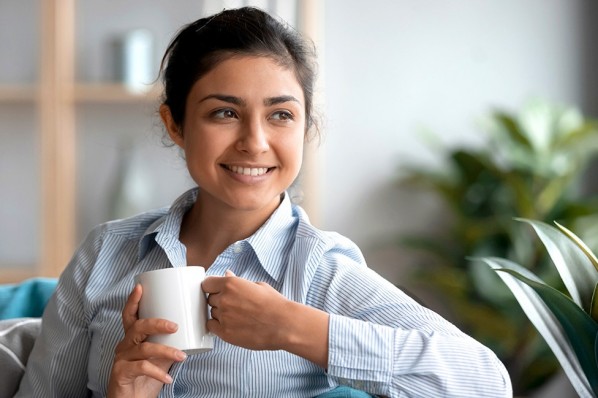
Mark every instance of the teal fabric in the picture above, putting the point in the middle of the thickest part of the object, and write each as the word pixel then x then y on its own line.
pixel 26 299
pixel 344 392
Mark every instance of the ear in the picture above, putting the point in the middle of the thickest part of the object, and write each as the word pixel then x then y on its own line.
pixel 174 131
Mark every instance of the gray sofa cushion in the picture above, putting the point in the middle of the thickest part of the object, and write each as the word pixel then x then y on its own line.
pixel 16 341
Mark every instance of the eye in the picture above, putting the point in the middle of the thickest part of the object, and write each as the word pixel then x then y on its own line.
pixel 284 116
pixel 225 113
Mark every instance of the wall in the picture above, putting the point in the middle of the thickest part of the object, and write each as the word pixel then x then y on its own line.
pixel 395 68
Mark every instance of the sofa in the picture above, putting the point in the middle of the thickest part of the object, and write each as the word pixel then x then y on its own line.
pixel 16 341
pixel 21 306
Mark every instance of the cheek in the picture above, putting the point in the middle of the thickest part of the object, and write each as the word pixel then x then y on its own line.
pixel 199 140
pixel 294 150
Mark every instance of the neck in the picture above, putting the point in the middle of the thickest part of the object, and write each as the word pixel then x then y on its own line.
pixel 208 229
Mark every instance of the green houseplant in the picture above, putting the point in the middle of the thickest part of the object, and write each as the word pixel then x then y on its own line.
pixel 567 322
pixel 530 166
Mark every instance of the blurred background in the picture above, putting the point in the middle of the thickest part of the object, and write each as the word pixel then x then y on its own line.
pixel 408 91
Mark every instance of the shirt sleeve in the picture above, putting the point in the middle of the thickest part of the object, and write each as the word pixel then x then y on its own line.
pixel 58 362
pixel 384 342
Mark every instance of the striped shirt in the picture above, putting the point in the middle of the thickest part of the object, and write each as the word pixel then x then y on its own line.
pixel 380 340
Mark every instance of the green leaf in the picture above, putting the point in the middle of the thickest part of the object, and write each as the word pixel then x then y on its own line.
pixel 574 266
pixel 594 307
pixel 513 129
pixel 580 329
pixel 549 325
pixel 582 136
pixel 551 194
pixel 580 244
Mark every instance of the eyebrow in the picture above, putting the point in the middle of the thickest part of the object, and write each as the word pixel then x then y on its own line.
pixel 240 102
pixel 280 100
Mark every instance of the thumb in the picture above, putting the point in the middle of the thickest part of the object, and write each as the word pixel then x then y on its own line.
pixel 229 273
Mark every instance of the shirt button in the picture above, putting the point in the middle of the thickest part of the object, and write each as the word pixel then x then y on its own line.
pixel 237 247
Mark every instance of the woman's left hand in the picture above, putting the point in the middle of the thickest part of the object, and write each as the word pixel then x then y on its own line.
pixel 254 315
pixel 244 313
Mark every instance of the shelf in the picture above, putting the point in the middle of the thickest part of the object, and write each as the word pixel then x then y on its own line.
pixel 85 93
pixel 114 93
pixel 18 93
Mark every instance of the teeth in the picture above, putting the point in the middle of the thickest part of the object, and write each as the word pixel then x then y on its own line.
pixel 248 171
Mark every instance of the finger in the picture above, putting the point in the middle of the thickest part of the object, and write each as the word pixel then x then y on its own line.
pixel 212 284
pixel 213 299
pixel 132 370
pixel 214 313
pixel 147 350
pixel 229 273
pixel 214 326
pixel 143 328
pixel 129 314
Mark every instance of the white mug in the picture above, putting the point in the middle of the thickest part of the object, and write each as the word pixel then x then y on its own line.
pixel 175 294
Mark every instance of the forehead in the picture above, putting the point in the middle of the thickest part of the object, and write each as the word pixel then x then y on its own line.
pixel 250 75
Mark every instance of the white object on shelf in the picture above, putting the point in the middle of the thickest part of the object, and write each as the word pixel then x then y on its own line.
pixel 134 185
pixel 137 58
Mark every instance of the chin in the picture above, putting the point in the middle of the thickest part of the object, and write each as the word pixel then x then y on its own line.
pixel 255 204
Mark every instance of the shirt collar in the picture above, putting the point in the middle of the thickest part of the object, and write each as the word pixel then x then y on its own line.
pixel 166 229
pixel 271 243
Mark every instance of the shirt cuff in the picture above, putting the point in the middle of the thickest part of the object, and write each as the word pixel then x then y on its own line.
pixel 360 354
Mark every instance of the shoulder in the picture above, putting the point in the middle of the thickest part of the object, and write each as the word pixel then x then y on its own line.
pixel 108 240
pixel 131 227
pixel 327 246
pixel 336 272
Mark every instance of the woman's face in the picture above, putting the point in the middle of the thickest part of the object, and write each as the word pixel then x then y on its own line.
pixel 243 133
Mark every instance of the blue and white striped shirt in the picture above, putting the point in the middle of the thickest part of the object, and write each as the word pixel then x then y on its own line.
pixel 380 340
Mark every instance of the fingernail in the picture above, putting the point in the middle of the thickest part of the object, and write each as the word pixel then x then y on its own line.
pixel 171 326
pixel 181 355
pixel 168 379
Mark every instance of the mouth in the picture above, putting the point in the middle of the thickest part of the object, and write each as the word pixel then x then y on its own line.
pixel 248 171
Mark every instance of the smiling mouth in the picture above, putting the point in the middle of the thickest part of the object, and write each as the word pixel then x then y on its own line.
pixel 248 171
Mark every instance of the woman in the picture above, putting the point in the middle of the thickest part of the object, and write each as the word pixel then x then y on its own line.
pixel 295 309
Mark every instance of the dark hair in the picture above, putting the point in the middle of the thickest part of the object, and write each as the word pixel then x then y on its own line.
pixel 201 45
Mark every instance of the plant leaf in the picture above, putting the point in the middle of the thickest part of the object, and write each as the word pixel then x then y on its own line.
pixel 574 266
pixel 513 129
pixel 544 320
pixel 580 244
pixel 580 329
pixel 551 193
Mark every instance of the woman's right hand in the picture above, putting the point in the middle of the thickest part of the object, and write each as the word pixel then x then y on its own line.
pixel 140 368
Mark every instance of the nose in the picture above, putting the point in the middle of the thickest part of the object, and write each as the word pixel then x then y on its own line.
pixel 253 138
